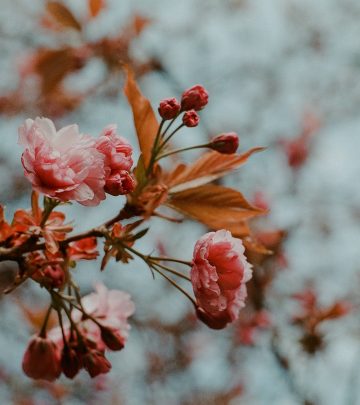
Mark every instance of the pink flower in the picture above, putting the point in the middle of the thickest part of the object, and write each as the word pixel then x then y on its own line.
pixel 119 183
pixel 169 108
pixel 219 273
pixel 191 119
pixel 225 143
pixel 194 98
pixel 42 359
pixel 118 161
pixel 62 164
pixel 111 308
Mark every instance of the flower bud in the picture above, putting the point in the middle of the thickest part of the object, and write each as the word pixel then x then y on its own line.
pixel 54 276
pixel 70 362
pixel 225 143
pixel 120 183
pixel 194 98
pixel 210 321
pixel 191 118
pixel 112 338
pixel 169 108
pixel 96 363
pixel 42 359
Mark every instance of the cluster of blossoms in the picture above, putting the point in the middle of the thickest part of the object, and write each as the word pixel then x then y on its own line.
pixel 66 165
pixel 195 99
pixel 101 325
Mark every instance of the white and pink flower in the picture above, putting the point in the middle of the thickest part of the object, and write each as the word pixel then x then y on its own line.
pixel 219 273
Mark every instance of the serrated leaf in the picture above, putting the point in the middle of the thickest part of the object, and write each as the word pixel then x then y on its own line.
pixel 217 207
pixel 145 121
pixel 207 168
pixel 62 15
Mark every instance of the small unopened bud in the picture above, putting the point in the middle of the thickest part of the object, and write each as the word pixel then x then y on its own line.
pixel 96 363
pixel 191 118
pixel 70 362
pixel 194 98
pixel 120 183
pixel 42 359
pixel 169 108
pixel 225 143
pixel 112 338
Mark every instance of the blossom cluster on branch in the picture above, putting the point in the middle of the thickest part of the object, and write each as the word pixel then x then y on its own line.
pixel 65 165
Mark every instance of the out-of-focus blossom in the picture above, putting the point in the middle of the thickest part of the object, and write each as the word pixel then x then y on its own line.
pixel 169 108
pixel 260 200
pixel 248 327
pixel 219 273
pixel 62 164
pixel 225 143
pixel 297 150
pixel 42 359
pixel 111 308
pixel 194 98
pixel 191 118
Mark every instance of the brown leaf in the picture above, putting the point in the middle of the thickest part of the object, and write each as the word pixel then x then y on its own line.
pixel 62 15
pixel 217 207
pixel 146 124
pixel 95 6
pixel 207 168
pixel 53 66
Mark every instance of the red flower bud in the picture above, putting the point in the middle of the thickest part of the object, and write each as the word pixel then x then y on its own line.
pixel 210 321
pixel 169 108
pixel 112 338
pixel 96 363
pixel 191 118
pixel 225 143
pixel 120 183
pixel 42 359
pixel 70 362
pixel 194 98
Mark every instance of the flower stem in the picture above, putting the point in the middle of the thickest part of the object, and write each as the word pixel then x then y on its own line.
pixel 173 152
pixel 46 319
pixel 170 270
pixel 169 259
pixel 154 150
pixel 171 281
pixel 167 139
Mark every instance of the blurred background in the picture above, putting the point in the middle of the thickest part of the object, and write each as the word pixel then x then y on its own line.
pixel 283 74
